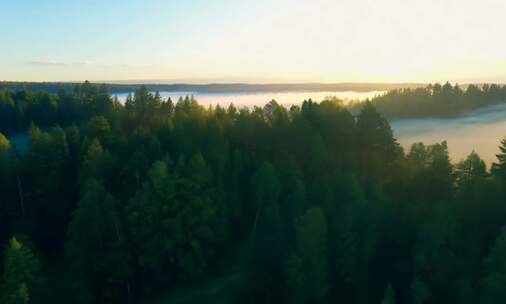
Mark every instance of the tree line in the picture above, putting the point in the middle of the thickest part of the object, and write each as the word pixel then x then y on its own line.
pixel 116 203
pixel 436 100
pixel 216 88
pixel 63 104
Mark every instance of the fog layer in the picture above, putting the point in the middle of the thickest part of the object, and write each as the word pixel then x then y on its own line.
pixel 480 130
pixel 260 99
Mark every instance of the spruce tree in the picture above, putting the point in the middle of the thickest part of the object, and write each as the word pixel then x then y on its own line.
pixel 499 168
pixel 20 269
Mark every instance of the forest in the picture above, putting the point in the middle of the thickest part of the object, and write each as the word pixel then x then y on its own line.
pixel 436 100
pixel 161 201
pixel 214 88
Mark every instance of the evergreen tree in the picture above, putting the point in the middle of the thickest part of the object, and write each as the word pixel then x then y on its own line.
pixel 376 145
pixel 499 168
pixel 307 266
pixel 389 296
pixel 173 219
pixel 20 273
pixel 96 248
pixel 495 278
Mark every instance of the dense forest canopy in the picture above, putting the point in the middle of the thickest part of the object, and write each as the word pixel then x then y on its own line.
pixel 437 100
pixel 161 201
pixel 50 104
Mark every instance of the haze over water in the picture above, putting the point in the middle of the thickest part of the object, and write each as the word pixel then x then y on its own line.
pixel 260 99
pixel 481 131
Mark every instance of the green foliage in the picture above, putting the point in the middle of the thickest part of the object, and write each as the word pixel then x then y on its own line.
pixel 376 144
pixel 98 127
pixel 389 297
pixel 96 247
pixel 419 292
pixel 307 267
pixel 20 273
pixel 315 203
pixel 267 187
pixel 172 218
pixel 49 184
pixel 499 168
pixel 431 171
pixel 470 172
pixel 5 145
pixel 495 277
pixel 435 100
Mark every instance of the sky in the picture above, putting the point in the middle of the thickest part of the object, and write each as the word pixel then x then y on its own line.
pixel 256 41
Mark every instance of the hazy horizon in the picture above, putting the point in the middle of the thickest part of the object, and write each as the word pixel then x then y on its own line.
pixel 254 41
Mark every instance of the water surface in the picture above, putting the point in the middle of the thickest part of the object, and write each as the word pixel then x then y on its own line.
pixel 260 99
pixel 480 130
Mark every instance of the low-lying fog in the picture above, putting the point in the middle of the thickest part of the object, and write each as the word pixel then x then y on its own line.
pixel 481 130
pixel 260 99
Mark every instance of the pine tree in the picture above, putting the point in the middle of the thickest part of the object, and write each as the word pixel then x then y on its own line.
pixel 499 168
pixel 173 219
pixel 376 145
pixel 307 267
pixel 20 270
pixel 96 247
pixel 495 278
pixel 470 171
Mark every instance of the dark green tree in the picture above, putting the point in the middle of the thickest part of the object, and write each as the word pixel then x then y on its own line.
pixel 495 276
pixel 307 266
pixel 389 296
pixel 20 273
pixel 499 168
pixel 96 248
pixel 173 219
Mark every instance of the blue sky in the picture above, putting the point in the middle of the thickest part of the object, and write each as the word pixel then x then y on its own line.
pixel 253 41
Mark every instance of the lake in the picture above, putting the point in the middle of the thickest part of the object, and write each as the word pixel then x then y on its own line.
pixel 480 130
pixel 260 99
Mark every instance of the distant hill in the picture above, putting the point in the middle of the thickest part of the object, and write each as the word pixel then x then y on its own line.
pixel 54 87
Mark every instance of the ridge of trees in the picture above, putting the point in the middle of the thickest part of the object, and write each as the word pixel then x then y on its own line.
pixel 436 100
pixel 125 201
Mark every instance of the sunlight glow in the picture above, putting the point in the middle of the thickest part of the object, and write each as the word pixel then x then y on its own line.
pixel 255 41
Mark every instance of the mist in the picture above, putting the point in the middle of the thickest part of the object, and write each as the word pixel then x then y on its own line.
pixel 480 130
pixel 259 99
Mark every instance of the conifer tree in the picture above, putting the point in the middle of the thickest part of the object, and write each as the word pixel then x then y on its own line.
pixel 20 271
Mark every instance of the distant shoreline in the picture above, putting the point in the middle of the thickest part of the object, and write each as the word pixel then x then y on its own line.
pixel 114 88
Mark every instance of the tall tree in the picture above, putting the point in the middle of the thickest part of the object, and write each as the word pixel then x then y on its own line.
pixel 49 187
pixel 96 248
pixel 499 167
pixel 173 219
pixel 307 266
pixel 469 171
pixel 495 277
pixel 20 272
pixel 376 145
